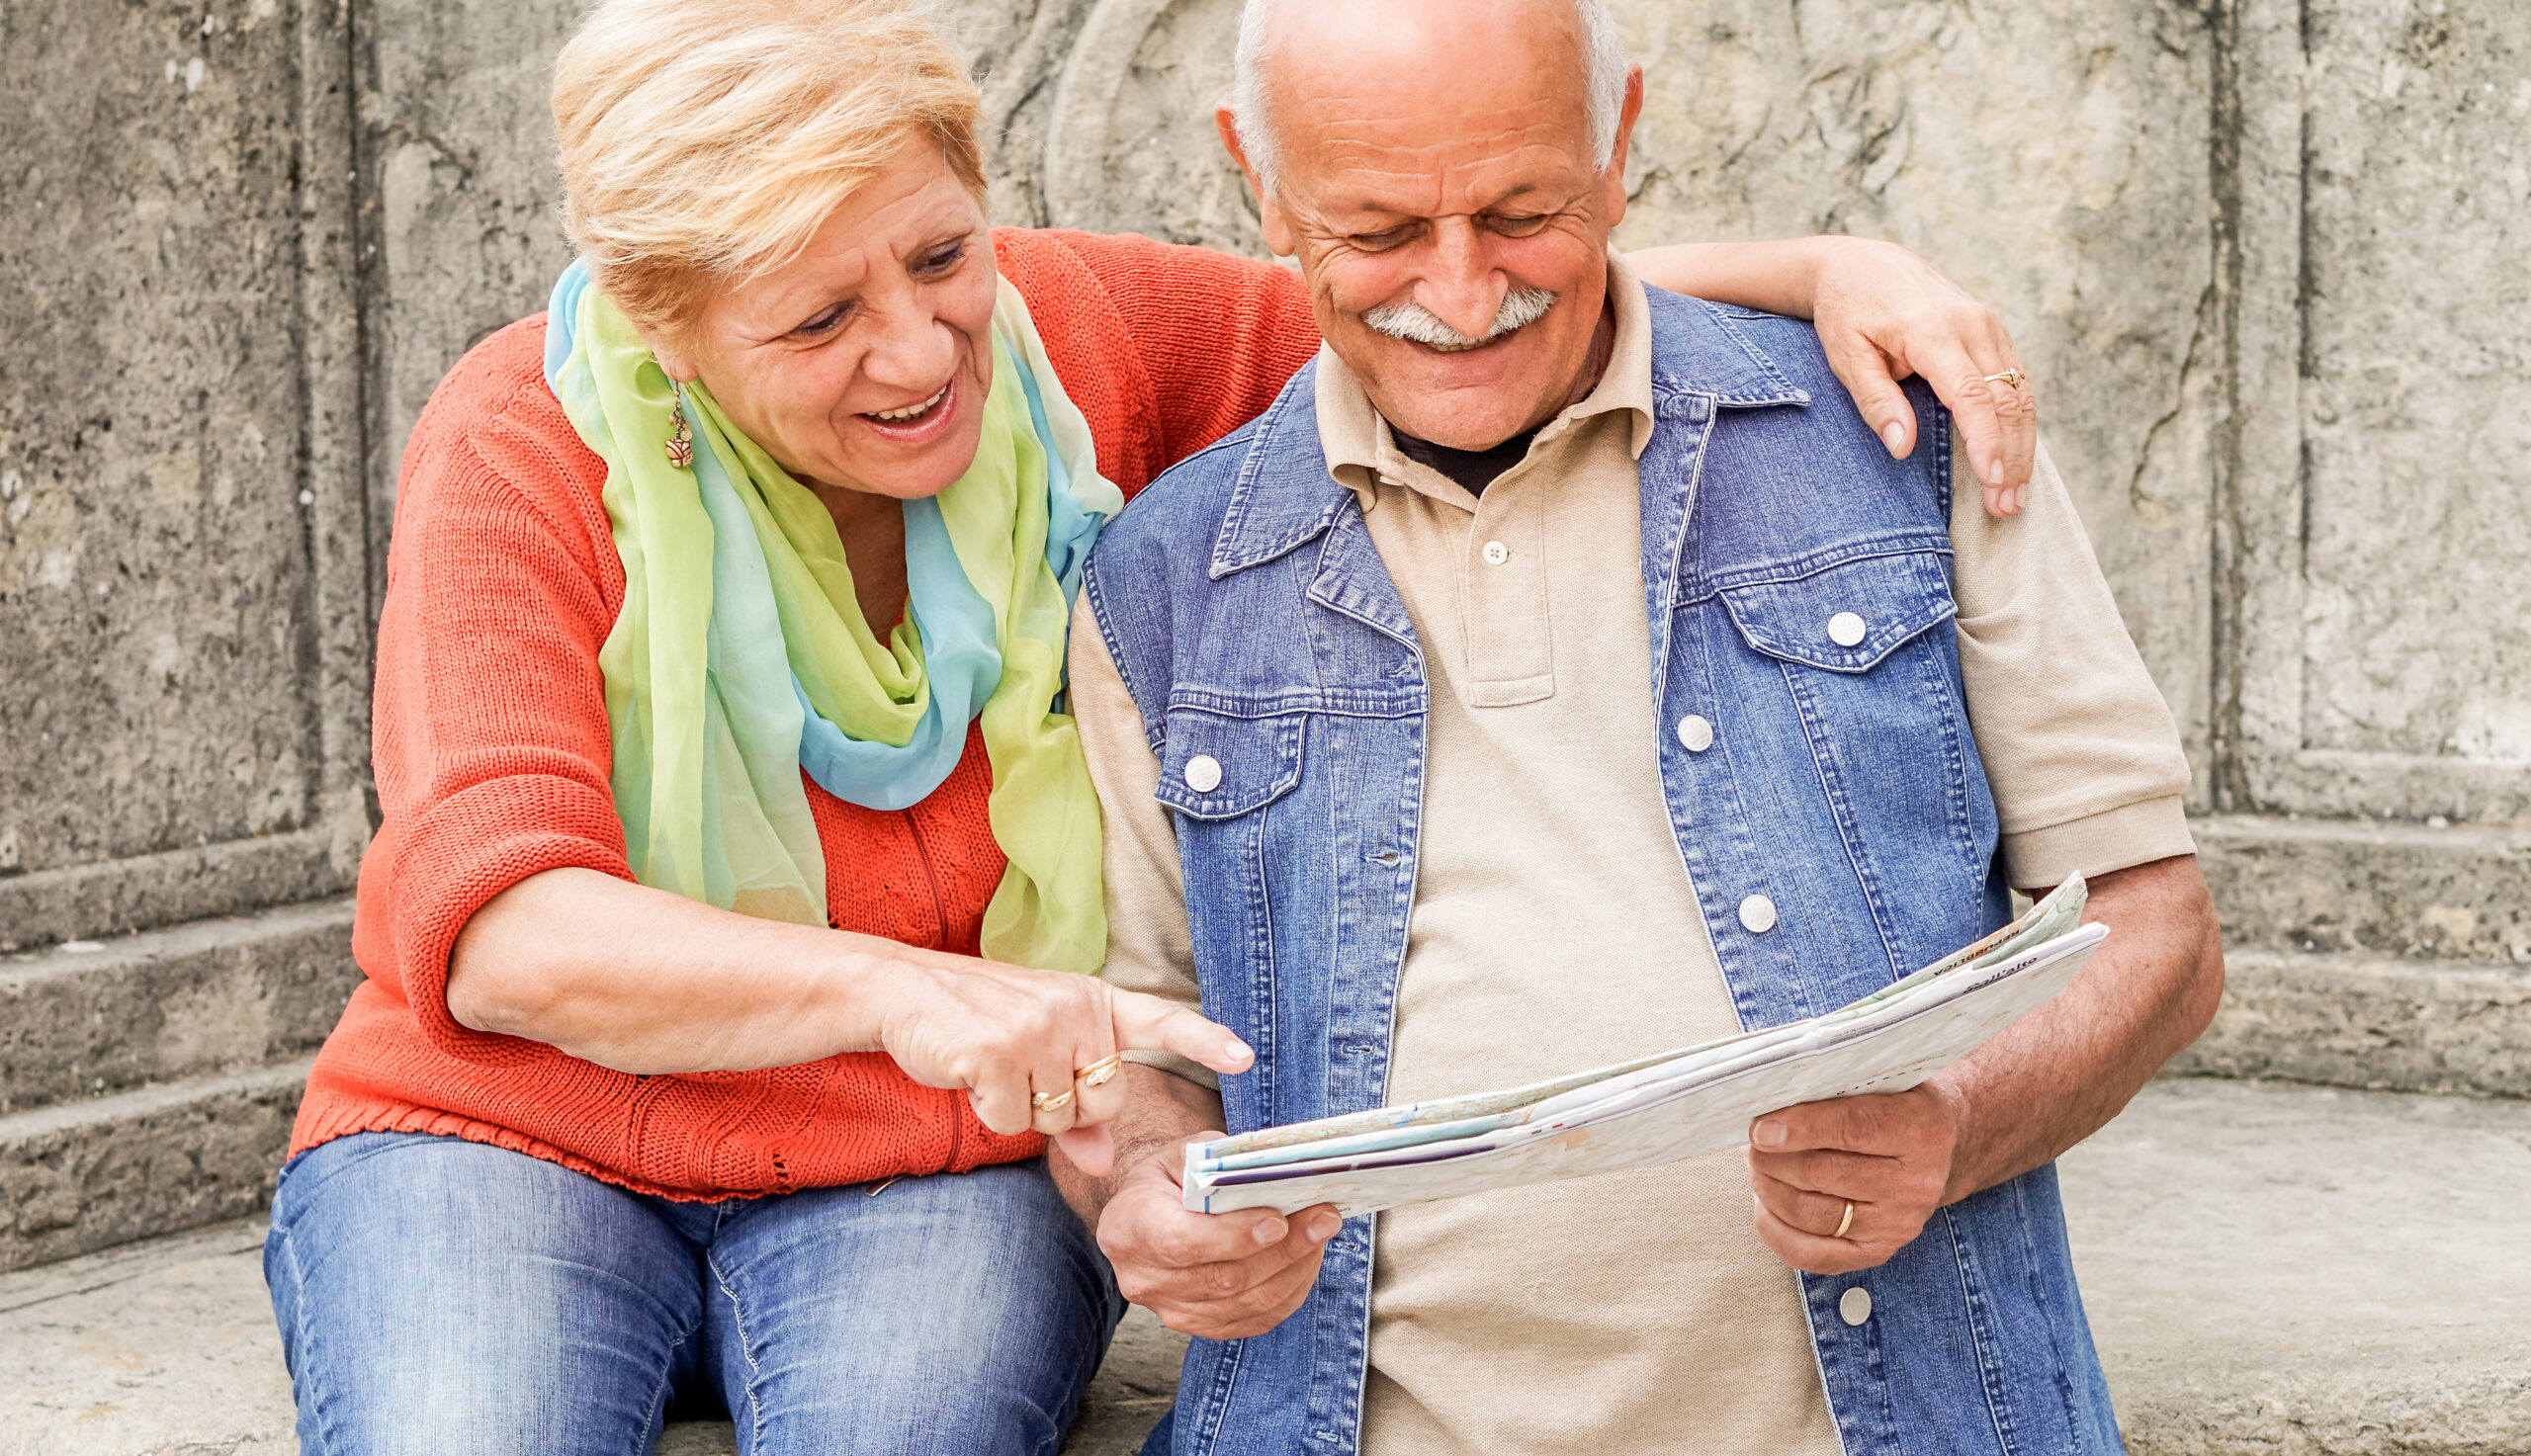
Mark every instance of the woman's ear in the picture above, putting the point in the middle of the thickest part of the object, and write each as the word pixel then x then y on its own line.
pixel 673 355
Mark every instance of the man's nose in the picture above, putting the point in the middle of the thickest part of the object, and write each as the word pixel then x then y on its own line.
pixel 1462 286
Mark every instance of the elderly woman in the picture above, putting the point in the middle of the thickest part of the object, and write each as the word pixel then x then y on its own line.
pixel 724 951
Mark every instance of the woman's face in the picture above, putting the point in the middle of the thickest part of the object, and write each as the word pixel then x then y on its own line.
pixel 863 363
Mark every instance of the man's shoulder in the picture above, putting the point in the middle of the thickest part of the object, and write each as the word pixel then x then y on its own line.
pixel 1745 351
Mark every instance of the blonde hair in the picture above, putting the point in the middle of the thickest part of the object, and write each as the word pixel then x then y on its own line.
pixel 705 142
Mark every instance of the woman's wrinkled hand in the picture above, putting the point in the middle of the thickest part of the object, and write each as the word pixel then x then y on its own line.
pixel 1008 1035
pixel 1882 315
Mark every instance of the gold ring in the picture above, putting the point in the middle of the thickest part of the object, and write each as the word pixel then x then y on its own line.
pixel 1100 1073
pixel 1845 1222
pixel 1054 1103
pixel 2010 378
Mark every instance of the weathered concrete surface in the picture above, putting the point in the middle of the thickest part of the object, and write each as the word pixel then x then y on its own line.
pixel 2268 1270
pixel 2418 369
pixel 154 630
pixel 464 223
pixel 2273 1269
pixel 2456 894
pixel 161 1347
pixel 2364 1021
pixel 80 1177
pixel 207 997
pixel 2370 532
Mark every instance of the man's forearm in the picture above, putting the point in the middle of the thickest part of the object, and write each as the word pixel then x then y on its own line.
pixel 1160 1111
pixel 2067 1068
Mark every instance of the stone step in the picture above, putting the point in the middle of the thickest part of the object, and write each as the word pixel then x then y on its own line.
pixel 2268 1268
pixel 2457 894
pixel 212 996
pixel 2370 1021
pixel 142 893
pixel 81 1177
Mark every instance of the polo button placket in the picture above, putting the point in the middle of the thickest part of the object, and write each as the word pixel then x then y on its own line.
pixel 1496 553
pixel 1757 914
pixel 1203 773
pixel 1694 733
pixel 1847 629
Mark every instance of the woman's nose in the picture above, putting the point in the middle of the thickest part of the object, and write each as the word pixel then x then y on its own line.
pixel 913 349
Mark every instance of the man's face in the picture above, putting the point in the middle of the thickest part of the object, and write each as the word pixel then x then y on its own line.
pixel 1436 180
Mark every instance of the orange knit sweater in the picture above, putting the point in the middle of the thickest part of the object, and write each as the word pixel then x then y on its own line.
pixel 491 752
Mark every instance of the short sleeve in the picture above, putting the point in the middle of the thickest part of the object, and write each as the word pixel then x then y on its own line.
pixel 2082 752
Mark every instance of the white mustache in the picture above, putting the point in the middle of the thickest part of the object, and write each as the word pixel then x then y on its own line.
pixel 1412 321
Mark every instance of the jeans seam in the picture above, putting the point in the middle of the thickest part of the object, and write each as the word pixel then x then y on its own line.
pixel 746 1351
pixel 658 1398
pixel 306 1340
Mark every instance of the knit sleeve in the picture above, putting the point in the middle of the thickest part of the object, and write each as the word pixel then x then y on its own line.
pixel 1179 345
pixel 1218 335
pixel 490 747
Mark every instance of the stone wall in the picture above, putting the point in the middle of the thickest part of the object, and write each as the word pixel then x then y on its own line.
pixel 2262 258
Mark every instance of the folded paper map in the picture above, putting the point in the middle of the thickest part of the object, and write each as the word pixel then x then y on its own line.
pixel 1655 1109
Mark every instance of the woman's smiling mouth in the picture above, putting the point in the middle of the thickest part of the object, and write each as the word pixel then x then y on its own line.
pixel 910 411
pixel 919 423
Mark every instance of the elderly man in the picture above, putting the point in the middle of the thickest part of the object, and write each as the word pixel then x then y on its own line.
pixel 1570 677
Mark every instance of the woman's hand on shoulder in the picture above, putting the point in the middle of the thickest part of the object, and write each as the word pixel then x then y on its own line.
pixel 1033 1049
pixel 1882 315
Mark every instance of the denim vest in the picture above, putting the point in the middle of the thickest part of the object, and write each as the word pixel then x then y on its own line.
pixel 1254 623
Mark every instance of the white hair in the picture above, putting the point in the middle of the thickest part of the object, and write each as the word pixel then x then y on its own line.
pixel 1405 318
pixel 1603 72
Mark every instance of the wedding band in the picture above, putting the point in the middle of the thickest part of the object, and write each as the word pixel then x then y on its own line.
pixel 1102 1071
pixel 1845 1222
pixel 1056 1103
pixel 2010 378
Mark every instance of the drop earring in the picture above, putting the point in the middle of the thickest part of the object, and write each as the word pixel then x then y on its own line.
pixel 681 440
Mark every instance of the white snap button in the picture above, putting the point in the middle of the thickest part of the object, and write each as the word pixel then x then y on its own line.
pixel 1203 773
pixel 1846 630
pixel 1496 553
pixel 1758 914
pixel 1855 1305
pixel 1696 734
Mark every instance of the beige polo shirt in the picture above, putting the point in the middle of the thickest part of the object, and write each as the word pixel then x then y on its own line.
pixel 1554 929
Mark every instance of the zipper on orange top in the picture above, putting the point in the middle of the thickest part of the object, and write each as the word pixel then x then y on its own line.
pixel 939 941
pixel 939 903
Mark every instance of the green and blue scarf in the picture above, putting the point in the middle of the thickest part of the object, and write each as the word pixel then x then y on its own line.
pixel 740 656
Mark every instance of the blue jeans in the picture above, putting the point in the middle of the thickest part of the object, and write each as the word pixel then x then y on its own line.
pixel 437 1295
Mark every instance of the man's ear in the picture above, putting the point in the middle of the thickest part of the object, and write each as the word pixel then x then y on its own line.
pixel 1271 221
pixel 1614 178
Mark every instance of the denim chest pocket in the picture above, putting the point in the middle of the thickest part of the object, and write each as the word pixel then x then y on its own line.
pixel 1214 767
pixel 1845 618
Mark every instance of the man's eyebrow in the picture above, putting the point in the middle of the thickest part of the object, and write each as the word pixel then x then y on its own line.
pixel 1376 209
